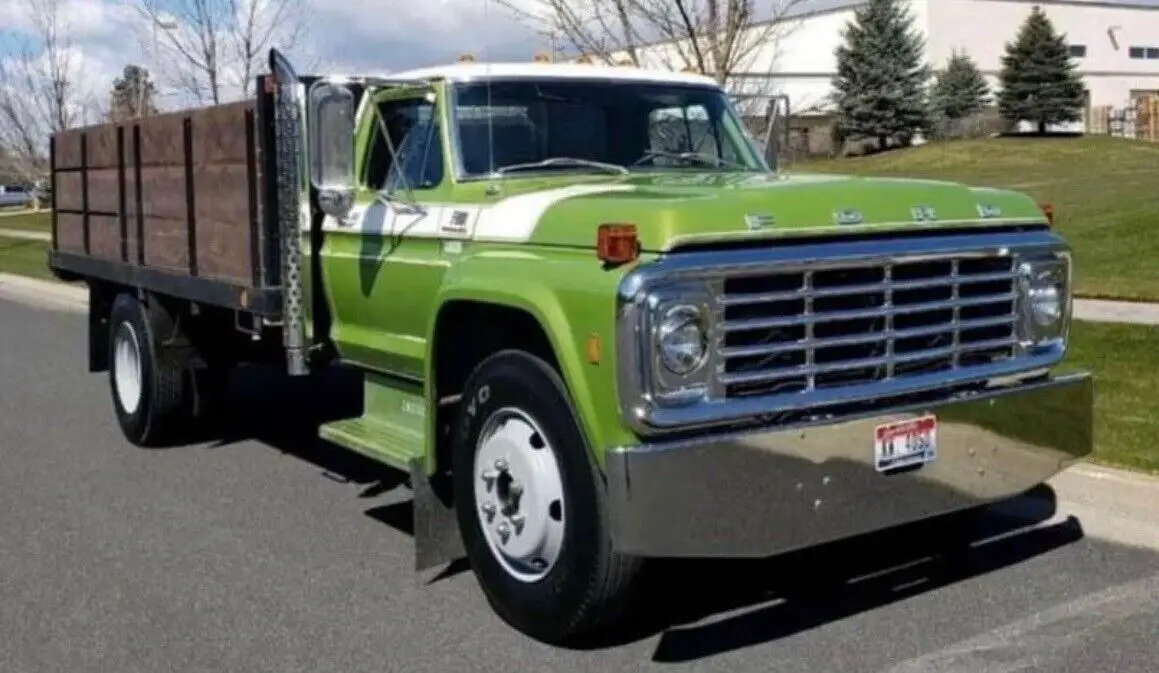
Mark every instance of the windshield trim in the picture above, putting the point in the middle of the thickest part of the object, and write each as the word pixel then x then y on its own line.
pixel 451 119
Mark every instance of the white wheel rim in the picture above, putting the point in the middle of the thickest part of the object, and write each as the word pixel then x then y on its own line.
pixel 519 495
pixel 127 367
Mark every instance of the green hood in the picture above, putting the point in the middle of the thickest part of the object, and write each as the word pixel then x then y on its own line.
pixel 673 210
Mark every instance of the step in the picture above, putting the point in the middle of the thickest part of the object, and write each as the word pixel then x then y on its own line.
pixel 375 439
pixel 392 428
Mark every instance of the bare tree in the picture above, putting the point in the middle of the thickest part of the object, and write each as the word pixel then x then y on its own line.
pixel 724 39
pixel 41 89
pixel 212 49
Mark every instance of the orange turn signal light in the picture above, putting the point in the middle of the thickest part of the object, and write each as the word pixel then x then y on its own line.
pixel 617 243
pixel 1048 210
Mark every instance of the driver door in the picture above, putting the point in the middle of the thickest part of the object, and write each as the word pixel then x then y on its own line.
pixel 384 266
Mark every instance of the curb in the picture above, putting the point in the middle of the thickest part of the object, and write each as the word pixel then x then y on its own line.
pixel 44 294
pixel 26 234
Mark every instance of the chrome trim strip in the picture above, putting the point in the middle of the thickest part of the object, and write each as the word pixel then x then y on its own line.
pixel 646 415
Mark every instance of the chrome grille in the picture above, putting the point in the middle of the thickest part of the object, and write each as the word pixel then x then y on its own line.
pixel 853 324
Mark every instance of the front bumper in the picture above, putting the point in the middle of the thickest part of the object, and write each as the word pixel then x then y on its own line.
pixel 760 493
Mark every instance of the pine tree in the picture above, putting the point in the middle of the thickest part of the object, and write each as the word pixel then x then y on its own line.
pixel 132 95
pixel 960 90
pixel 880 86
pixel 1038 79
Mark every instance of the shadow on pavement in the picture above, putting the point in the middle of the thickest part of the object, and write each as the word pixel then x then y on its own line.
pixel 731 605
pixel 699 608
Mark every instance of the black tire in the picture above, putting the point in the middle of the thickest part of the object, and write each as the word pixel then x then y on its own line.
pixel 587 591
pixel 156 417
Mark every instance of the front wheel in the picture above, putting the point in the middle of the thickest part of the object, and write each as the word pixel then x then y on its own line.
pixel 531 507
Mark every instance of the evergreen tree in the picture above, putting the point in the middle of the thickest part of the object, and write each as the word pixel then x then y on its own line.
pixel 132 95
pixel 960 90
pixel 880 86
pixel 1038 79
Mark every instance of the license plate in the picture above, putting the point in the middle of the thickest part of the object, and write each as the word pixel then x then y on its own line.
pixel 905 443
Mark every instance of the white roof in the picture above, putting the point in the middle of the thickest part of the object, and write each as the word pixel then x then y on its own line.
pixel 469 70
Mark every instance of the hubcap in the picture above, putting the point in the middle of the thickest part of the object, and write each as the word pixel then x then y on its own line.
pixel 519 495
pixel 127 367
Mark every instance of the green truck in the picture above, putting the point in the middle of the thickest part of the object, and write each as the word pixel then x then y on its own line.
pixel 594 326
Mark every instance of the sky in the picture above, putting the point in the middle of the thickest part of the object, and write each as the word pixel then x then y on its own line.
pixel 352 36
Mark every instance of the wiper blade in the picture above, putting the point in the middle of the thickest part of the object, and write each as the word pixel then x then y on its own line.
pixel 560 161
pixel 689 156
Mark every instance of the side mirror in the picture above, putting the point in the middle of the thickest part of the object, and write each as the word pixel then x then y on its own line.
pixel 330 126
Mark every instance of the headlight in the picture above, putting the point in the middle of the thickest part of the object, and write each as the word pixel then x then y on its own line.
pixel 682 342
pixel 1044 284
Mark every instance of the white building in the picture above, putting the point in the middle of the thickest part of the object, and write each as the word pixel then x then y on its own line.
pixel 1115 44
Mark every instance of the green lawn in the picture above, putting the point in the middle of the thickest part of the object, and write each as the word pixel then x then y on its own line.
pixel 24 258
pixel 41 221
pixel 1125 362
pixel 1105 193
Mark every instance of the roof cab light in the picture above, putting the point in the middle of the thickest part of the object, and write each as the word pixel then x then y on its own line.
pixel 617 243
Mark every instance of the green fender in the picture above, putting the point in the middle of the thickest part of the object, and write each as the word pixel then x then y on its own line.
pixel 572 297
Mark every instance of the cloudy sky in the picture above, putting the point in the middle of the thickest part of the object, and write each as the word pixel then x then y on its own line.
pixel 340 35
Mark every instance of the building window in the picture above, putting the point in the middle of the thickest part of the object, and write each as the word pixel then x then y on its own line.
pixel 1136 52
pixel 1153 53
pixel 1078 50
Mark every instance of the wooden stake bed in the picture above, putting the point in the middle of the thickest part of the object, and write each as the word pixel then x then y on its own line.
pixel 175 203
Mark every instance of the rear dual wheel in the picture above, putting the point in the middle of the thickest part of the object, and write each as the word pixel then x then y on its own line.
pixel 531 505
pixel 155 396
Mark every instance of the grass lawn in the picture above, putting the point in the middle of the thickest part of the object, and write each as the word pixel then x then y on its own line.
pixel 24 258
pixel 1105 193
pixel 1124 360
pixel 41 221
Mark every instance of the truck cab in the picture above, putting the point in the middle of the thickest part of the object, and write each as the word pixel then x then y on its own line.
pixel 594 326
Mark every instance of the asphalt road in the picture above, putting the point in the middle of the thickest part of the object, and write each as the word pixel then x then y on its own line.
pixel 270 551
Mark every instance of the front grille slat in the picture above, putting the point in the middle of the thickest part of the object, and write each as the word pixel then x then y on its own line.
pixel 765 297
pixel 820 317
pixel 813 370
pixel 842 326
pixel 772 349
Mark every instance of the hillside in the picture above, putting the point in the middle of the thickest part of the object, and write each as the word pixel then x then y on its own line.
pixel 1105 193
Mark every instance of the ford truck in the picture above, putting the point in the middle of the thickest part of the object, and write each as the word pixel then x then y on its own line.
pixel 594 327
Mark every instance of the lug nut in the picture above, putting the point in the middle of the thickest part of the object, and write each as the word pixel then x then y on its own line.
pixel 489 510
pixel 501 464
pixel 504 531
pixel 519 522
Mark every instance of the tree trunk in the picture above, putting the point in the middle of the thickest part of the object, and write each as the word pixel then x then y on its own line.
pixel 881 143
pixel 1041 127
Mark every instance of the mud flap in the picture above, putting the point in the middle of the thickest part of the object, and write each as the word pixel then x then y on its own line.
pixel 436 530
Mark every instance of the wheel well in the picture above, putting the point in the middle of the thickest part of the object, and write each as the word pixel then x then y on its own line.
pixel 466 332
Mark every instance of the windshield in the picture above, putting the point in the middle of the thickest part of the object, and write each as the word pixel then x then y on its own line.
pixel 640 126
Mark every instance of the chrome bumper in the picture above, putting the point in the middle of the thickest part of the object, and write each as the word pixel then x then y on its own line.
pixel 765 492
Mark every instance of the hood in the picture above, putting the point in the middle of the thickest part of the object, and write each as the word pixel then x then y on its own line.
pixel 675 210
